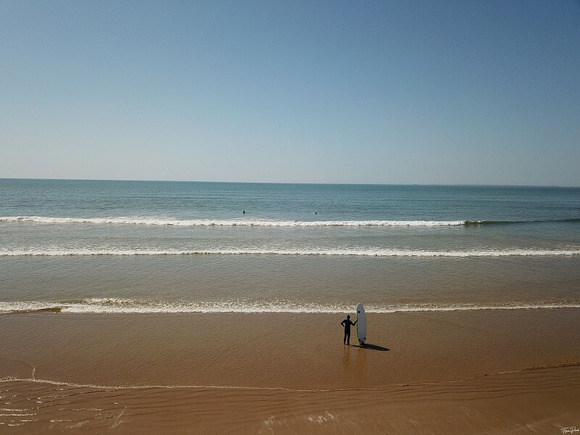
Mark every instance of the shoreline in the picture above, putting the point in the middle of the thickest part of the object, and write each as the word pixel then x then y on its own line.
pixel 449 372
pixel 540 400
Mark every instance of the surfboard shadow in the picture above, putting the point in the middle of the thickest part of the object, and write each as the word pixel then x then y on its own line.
pixel 371 347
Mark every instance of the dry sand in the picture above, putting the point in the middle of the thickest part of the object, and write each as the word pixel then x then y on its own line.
pixel 514 371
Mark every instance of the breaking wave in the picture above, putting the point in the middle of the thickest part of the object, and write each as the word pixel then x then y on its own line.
pixel 224 222
pixel 159 221
pixel 370 252
pixel 132 306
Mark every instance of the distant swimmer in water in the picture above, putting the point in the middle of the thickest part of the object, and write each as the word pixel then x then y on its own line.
pixel 346 323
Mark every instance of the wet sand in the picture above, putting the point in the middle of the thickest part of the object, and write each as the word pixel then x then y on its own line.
pixel 511 371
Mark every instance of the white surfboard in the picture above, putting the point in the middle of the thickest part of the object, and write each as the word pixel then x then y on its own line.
pixel 361 324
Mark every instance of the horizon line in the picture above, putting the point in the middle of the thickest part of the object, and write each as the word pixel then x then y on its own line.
pixel 290 182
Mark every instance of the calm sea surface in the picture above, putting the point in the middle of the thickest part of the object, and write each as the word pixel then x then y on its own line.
pixel 117 246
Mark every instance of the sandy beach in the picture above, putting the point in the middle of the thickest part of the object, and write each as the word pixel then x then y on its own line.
pixel 195 194
pixel 487 371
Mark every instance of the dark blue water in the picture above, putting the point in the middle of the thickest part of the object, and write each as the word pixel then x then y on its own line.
pixel 188 200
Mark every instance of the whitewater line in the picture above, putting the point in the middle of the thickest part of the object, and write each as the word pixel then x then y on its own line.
pixel 129 306
pixel 225 222
pixel 383 253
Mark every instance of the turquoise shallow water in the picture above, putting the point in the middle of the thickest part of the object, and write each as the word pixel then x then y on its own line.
pixel 106 246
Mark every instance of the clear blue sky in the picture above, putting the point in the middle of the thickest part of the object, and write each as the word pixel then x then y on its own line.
pixel 443 92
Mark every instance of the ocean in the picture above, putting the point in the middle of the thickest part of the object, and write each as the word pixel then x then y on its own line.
pixel 70 246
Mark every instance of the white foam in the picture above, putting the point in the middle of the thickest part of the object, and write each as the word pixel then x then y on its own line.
pixel 370 252
pixel 131 306
pixel 155 221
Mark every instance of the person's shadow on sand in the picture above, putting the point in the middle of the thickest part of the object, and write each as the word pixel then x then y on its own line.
pixel 371 347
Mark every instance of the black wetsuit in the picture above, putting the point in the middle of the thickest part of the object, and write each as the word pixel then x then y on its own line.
pixel 347 324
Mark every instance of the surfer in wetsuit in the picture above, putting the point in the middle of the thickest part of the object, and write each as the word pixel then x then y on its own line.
pixel 347 324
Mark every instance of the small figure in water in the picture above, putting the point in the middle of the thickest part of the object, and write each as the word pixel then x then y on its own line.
pixel 347 324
